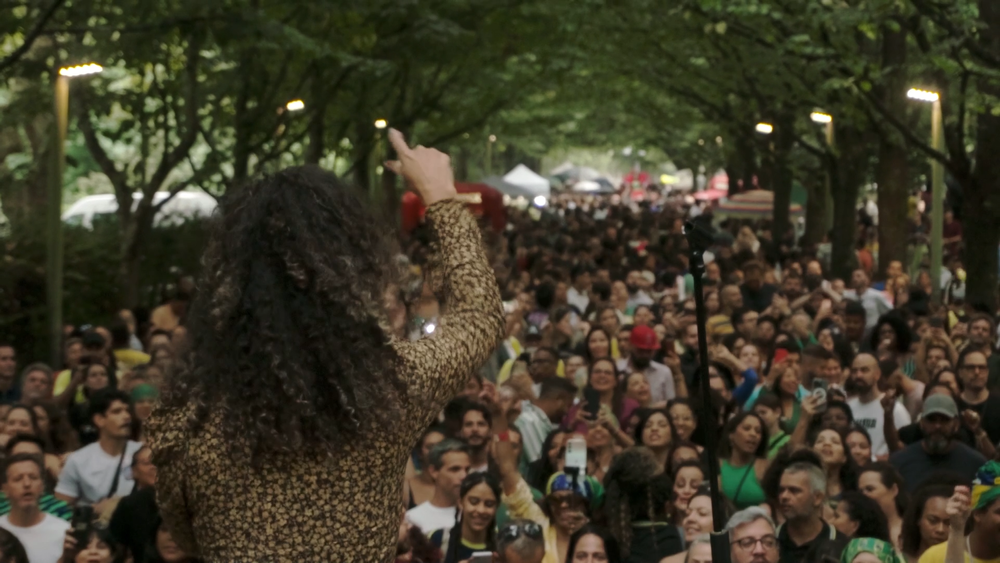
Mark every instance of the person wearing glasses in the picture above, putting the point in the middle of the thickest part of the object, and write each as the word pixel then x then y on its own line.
pixel 520 541
pixel 564 509
pixel 752 537
pixel 801 497
pixel 979 407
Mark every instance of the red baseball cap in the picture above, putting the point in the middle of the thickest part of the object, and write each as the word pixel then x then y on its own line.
pixel 644 338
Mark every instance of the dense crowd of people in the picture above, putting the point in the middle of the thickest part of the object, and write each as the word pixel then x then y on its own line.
pixel 857 421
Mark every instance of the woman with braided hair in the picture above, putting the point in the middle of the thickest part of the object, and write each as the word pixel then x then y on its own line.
pixel 294 406
pixel 636 497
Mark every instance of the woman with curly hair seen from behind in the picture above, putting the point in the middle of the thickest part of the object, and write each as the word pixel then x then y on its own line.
pixel 293 403
pixel 637 497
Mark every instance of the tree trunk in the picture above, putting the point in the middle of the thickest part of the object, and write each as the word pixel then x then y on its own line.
pixel 317 127
pixel 134 234
pixel 783 178
pixel 748 160
pixel 893 179
pixel 893 172
pixel 847 173
pixel 815 211
pixel 981 220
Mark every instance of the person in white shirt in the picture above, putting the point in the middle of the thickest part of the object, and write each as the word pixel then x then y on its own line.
pixel 634 282
pixel 449 463
pixel 874 301
pixel 41 534
pixel 867 405
pixel 103 469
pixel 477 434
pixel 579 294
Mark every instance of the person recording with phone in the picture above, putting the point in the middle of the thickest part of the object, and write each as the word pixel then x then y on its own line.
pixel 565 508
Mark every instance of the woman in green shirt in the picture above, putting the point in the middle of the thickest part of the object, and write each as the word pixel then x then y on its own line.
pixel 744 460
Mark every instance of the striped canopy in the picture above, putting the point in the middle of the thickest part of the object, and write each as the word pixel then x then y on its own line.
pixel 753 204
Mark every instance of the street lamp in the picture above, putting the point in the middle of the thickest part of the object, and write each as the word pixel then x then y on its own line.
pixel 826 120
pixel 80 70
pixel 937 187
pixel 295 105
pixel 489 155
pixel 54 250
pixel 381 124
pixel 820 117
pixel 765 128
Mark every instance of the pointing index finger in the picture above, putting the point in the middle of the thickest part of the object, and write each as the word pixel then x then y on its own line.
pixel 398 142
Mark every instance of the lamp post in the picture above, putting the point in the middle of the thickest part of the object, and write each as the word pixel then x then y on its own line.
pixel 295 105
pixel 54 242
pixel 937 187
pixel 489 155
pixel 764 128
pixel 826 120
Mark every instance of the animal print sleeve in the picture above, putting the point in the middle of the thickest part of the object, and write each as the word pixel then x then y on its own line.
pixel 437 366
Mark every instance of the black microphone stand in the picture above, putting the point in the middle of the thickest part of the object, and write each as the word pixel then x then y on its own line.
pixel 700 238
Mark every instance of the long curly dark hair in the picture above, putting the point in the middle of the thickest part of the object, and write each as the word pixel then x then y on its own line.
pixel 635 489
pixel 289 341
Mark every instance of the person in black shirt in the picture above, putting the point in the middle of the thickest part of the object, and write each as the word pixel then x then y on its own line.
pixel 136 517
pixel 757 295
pixel 938 450
pixel 911 433
pixel 805 536
pixel 973 368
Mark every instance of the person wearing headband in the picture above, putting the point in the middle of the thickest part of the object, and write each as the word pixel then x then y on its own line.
pixel 870 550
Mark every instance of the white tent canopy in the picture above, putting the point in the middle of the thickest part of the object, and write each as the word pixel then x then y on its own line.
pixel 523 177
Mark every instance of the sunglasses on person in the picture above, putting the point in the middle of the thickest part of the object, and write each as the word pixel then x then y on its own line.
pixel 514 531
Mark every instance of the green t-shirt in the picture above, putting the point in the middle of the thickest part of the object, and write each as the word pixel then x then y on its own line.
pixel 48 503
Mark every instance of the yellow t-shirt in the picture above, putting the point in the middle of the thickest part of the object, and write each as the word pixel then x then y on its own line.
pixel 128 359
pixel 62 382
pixel 936 555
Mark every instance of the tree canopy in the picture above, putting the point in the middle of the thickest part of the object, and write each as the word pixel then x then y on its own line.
pixel 194 96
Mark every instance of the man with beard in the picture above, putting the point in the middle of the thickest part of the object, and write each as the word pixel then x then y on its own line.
pixel 103 469
pixel 663 384
pixel 476 433
pixel 805 536
pixel 867 406
pixel 756 294
pixel 636 294
pixel 939 450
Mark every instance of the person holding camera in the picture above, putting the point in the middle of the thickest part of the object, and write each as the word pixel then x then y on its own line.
pixel 41 534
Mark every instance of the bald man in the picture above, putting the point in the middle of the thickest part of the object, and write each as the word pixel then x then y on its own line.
pixel 867 405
